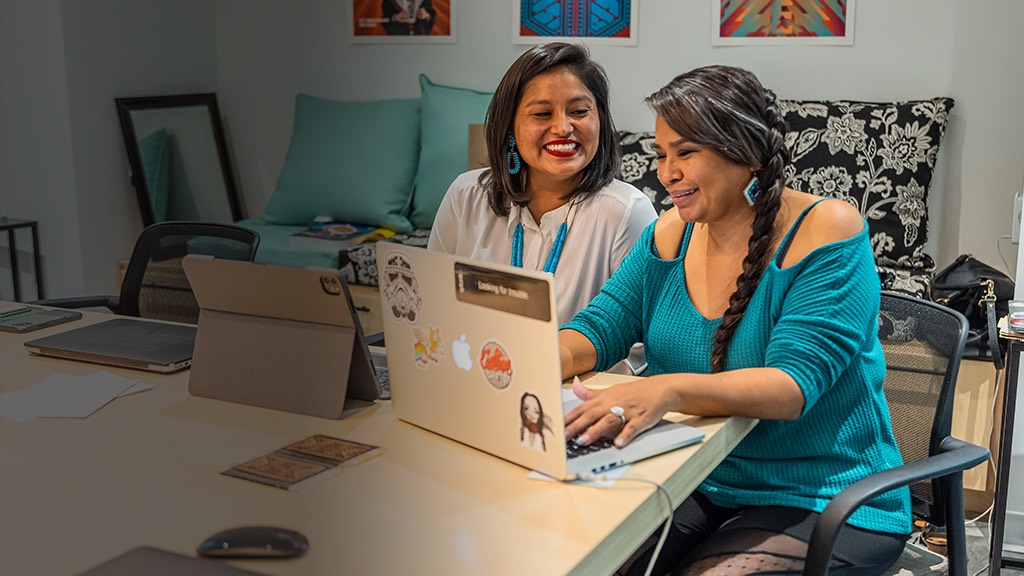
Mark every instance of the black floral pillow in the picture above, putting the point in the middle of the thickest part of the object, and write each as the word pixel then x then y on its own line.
pixel 640 167
pixel 878 157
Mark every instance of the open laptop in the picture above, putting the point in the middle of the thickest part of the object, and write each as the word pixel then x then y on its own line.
pixel 472 352
pixel 277 336
pixel 124 342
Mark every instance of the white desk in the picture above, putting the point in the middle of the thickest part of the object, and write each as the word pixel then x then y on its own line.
pixel 145 470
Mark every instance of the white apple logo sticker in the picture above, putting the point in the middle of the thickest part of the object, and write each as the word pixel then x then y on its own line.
pixel 460 353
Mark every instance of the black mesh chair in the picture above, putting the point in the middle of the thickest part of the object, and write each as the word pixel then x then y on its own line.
pixel 154 285
pixel 923 343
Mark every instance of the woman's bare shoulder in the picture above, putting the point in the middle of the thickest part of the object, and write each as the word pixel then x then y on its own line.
pixel 829 221
pixel 668 234
pixel 832 219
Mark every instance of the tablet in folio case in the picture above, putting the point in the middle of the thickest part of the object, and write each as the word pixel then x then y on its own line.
pixel 277 337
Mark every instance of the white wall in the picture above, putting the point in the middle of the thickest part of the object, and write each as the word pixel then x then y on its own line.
pixel 37 179
pixel 988 83
pixel 119 48
pixel 257 54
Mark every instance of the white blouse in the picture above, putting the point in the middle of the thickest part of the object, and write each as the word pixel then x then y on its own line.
pixel 602 229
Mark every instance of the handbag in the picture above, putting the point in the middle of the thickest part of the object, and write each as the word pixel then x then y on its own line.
pixel 982 294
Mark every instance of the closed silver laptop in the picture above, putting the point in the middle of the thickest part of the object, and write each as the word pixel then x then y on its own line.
pixel 124 342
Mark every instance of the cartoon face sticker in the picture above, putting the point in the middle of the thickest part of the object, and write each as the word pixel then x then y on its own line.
pixel 428 348
pixel 401 290
pixel 496 364
pixel 534 425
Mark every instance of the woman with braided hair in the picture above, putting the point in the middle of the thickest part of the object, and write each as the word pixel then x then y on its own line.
pixel 753 300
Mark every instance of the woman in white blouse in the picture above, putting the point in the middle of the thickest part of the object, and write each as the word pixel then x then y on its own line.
pixel 549 200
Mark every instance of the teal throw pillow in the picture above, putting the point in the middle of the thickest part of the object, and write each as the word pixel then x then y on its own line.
pixel 444 153
pixel 155 153
pixel 352 161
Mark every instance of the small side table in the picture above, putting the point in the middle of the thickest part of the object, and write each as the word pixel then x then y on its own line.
pixel 997 521
pixel 10 225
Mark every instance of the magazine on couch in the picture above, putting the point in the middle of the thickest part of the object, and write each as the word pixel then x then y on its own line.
pixel 331 235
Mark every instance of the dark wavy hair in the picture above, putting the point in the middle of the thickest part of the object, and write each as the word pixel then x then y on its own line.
pixel 727 110
pixel 504 189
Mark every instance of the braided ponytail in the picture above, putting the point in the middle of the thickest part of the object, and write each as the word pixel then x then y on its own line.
pixel 766 209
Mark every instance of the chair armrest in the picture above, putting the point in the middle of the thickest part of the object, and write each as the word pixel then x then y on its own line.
pixel 109 302
pixel 955 457
pixel 375 339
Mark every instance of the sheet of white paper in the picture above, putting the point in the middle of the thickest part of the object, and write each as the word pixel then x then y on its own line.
pixel 136 387
pixel 63 396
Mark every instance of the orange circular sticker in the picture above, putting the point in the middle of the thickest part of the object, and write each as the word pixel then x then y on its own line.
pixel 496 364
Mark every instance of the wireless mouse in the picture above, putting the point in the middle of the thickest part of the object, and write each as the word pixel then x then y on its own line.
pixel 254 542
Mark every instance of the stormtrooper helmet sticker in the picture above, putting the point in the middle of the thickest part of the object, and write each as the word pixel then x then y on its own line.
pixel 401 290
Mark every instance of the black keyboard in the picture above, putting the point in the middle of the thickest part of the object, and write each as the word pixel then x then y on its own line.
pixel 573 450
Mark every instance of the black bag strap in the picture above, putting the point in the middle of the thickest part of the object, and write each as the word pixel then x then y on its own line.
pixel 993 337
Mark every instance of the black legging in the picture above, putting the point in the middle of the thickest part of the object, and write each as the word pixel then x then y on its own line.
pixel 713 540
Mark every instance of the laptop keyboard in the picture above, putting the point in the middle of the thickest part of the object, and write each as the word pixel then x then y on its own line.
pixel 385 381
pixel 380 366
pixel 573 450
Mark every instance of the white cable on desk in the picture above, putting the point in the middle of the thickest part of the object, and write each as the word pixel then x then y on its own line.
pixel 668 520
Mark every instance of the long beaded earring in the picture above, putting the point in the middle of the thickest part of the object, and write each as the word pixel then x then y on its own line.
pixel 750 192
pixel 512 156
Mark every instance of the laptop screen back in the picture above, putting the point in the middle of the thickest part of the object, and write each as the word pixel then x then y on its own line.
pixel 473 353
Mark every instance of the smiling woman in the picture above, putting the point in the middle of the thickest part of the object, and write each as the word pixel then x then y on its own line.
pixel 548 198
pixel 178 157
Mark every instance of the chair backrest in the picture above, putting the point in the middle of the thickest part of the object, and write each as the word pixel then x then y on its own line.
pixel 923 343
pixel 155 286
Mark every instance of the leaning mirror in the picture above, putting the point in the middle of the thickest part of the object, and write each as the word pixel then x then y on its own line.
pixel 178 156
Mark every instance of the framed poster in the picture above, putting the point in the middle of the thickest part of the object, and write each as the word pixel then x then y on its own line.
pixel 403 21
pixel 781 22
pixel 593 21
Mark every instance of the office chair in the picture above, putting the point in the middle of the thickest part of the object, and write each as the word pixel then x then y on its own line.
pixel 923 343
pixel 154 285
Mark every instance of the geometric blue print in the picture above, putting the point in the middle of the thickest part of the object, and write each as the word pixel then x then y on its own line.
pixel 574 18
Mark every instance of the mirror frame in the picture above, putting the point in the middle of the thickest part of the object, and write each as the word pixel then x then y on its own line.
pixel 125 106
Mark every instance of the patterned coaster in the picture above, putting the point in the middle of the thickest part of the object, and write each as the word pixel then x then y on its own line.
pixel 297 462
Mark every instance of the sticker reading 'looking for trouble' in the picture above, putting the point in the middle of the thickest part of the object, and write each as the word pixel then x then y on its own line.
pixel 502 291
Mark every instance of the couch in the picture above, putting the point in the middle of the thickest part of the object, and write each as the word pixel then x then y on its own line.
pixel 389 162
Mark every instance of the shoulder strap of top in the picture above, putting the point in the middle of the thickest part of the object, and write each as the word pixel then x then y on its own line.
pixel 685 240
pixel 784 247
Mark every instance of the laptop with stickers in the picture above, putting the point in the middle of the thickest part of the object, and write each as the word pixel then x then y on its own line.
pixel 472 353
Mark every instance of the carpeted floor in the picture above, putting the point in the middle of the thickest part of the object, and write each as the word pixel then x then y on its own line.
pixel 978 549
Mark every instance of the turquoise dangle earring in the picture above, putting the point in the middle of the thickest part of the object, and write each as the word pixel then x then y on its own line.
pixel 512 156
pixel 750 192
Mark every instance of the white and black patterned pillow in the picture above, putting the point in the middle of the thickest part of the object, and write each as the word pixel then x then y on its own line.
pixel 878 157
pixel 640 167
pixel 358 264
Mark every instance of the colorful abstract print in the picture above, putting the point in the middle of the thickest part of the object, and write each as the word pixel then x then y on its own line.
pixel 783 18
pixel 575 18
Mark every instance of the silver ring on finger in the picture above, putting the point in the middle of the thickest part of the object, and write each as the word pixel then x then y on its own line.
pixel 618 411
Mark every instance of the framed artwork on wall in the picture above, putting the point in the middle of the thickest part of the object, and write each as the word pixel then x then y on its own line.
pixel 593 21
pixel 402 21
pixel 781 22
